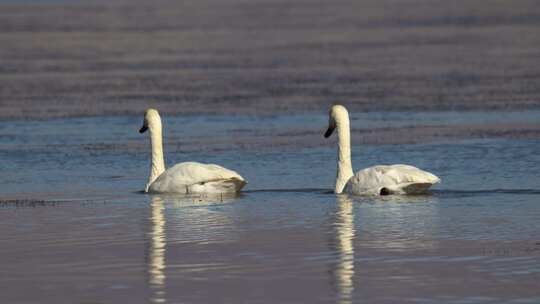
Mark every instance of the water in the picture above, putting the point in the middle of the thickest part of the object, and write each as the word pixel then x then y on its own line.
pixel 76 229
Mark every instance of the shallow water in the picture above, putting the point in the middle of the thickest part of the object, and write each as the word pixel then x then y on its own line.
pixel 75 228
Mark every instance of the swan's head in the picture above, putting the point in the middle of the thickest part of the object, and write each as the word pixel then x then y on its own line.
pixel 151 120
pixel 334 118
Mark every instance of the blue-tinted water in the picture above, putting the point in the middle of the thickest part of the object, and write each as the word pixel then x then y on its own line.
pixel 75 229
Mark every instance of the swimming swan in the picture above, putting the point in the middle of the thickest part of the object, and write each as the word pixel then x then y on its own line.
pixel 188 177
pixel 377 180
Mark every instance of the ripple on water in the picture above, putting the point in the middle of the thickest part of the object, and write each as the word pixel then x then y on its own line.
pixel 71 218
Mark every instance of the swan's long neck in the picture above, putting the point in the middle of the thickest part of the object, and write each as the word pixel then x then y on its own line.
pixel 158 163
pixel 344 167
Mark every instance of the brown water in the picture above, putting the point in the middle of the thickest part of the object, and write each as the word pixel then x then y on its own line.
pixel 267 247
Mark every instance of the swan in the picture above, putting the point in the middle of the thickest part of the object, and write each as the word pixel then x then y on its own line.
pixel 376 180
pixel 187 177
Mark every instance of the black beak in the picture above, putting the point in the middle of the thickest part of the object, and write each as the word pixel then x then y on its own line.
pixel 329 131
pixel 143 129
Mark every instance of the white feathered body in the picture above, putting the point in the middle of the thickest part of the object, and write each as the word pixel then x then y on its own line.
pixel 194 177
pixel 397 179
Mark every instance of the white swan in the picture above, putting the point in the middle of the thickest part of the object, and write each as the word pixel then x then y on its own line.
pixel 377 180
pixel 188 177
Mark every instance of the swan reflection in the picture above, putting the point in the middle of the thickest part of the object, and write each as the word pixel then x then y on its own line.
pixel 193 218
pixel 157 252
pixel 345 235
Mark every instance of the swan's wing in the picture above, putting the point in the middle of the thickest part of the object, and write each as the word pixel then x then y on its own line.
pixel 190 177
pixel 399 179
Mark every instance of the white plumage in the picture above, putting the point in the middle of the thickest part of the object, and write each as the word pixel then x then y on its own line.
pixel 187 177
pixel 193 177
pixel 377 180
pixel 396 179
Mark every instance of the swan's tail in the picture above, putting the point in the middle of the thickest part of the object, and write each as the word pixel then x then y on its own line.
pixel 237 183
pixel 229 185
pixel 410 188
pixel 417 188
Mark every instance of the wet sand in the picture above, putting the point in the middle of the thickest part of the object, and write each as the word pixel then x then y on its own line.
pixel 60 59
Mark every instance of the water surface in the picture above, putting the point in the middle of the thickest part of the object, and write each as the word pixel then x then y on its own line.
pixel 75 228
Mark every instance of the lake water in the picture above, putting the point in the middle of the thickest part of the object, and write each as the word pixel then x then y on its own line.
pixel 74 227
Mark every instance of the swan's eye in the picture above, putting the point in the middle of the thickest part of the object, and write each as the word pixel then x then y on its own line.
pixel 202 183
